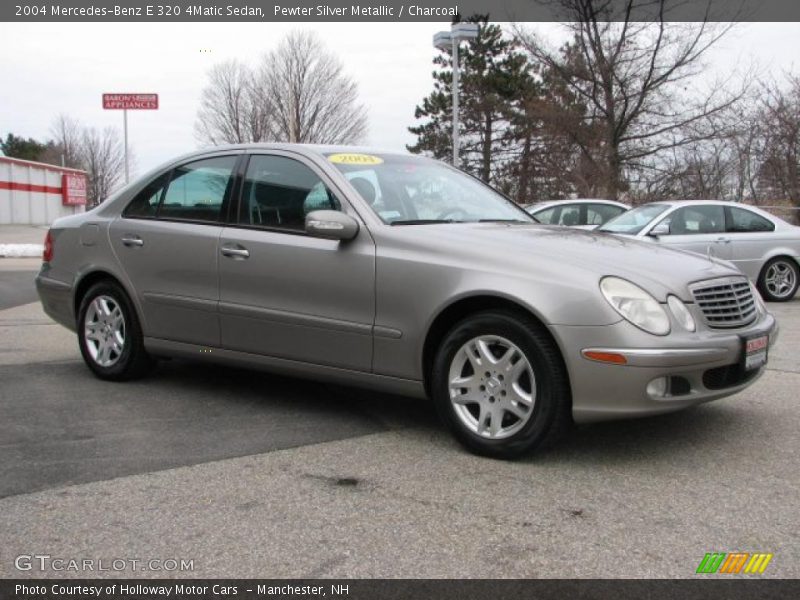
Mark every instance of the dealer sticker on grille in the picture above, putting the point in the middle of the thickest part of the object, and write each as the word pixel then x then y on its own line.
pixel 755 352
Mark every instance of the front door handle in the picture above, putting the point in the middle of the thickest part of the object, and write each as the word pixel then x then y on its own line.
pixel 132 240
pixel 723 240
pixel 235 251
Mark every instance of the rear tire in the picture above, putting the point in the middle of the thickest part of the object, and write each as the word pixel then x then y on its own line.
pixel 500 385
pixel 109 335
pixel 779 279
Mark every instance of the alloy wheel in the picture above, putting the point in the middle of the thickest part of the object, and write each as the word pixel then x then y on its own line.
pixel 492 387
pixel 104 331
pixel 780 279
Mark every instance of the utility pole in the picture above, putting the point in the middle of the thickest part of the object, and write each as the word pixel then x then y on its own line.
pixel 125 135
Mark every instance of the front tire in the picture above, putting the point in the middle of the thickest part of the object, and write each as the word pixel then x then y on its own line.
pixel 500 385
pixel 779 279
pixel 109 334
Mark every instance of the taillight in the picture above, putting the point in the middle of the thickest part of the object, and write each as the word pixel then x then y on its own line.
pixel 47 255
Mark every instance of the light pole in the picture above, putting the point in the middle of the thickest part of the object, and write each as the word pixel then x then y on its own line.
pixel 125 129
pixel 443 40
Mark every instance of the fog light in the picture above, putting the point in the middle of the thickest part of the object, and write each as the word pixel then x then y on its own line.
pixel 658 388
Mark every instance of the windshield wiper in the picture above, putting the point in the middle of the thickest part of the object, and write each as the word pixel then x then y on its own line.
pixel 424 221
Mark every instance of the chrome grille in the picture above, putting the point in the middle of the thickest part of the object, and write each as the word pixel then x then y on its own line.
pixel 726 302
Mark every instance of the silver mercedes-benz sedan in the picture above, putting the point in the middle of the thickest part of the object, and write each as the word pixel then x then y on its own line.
pixel 765 247
pixel 399 273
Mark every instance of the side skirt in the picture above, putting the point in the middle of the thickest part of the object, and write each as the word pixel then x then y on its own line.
pixel 283 366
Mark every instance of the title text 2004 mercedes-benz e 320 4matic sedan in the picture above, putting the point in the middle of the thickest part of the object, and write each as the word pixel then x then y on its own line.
pixel 399 273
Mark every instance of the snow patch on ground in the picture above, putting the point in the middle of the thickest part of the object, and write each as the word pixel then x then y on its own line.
pixel 21 250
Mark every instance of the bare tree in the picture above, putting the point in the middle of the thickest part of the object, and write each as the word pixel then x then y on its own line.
pixel 779 174
pixel 298 93
pixel 755 158
pixel 98 152
pixel 746 142
pixel 230 112
pixel 634 77
pixel 103 158
pixel 64 148
pixel 720 166
pixel 306 94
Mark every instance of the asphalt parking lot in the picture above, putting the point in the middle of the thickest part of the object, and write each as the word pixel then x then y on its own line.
pixel 251 475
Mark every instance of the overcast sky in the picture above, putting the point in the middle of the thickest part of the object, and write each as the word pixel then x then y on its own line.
pixel 47 69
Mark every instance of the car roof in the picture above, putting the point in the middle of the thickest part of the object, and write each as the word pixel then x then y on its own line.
pixel 699 202
pixel 550 203
pixel 677 203
pixel 308 149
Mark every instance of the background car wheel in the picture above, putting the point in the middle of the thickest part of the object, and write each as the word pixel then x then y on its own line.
pixel 500 385
pixel 779 279
pixel 109 334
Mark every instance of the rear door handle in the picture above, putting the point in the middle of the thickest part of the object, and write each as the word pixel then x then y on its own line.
pixel 235 251
pixel 132 240
pixel 723 240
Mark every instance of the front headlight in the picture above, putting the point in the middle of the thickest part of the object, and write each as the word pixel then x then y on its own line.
pixel 635 305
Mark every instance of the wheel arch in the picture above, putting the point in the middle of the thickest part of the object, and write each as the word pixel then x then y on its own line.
pixel 780 253
pixel 465 306
pixel 89 278
pixel 777 253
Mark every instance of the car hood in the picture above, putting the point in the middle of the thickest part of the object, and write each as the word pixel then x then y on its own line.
pixel 576 253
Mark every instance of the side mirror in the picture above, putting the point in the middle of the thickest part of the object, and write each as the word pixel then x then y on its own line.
pixel 661 229
pixel 331 225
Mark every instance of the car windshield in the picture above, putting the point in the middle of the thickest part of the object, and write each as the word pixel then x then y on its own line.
pixel 633 221
pixel 411 190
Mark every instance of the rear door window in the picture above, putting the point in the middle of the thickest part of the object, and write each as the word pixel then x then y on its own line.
pixel 741 220
pixel 597 214
pixel 145 204
pixel 198 189
pixel 570 215
pixel 547 216
pixel 195 191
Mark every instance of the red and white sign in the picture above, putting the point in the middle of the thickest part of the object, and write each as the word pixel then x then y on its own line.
pixel 130 101
pixel 73 189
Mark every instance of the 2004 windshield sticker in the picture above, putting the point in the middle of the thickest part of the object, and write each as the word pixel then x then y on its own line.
pixel 355 159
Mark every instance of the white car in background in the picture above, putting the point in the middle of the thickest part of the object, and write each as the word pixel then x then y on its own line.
pixel 580 213
pixel 763 246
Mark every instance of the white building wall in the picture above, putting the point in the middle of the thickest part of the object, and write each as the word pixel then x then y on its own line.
pixel 22 206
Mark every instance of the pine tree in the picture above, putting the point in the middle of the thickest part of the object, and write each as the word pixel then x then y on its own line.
pixel 19 147
pixel 493 75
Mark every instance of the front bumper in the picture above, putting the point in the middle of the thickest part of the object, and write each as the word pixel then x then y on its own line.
pixel 698 367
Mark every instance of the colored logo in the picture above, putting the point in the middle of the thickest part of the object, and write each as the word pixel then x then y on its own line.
pixel 733 563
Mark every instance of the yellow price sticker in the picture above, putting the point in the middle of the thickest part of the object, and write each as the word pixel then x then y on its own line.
pixel 355 159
